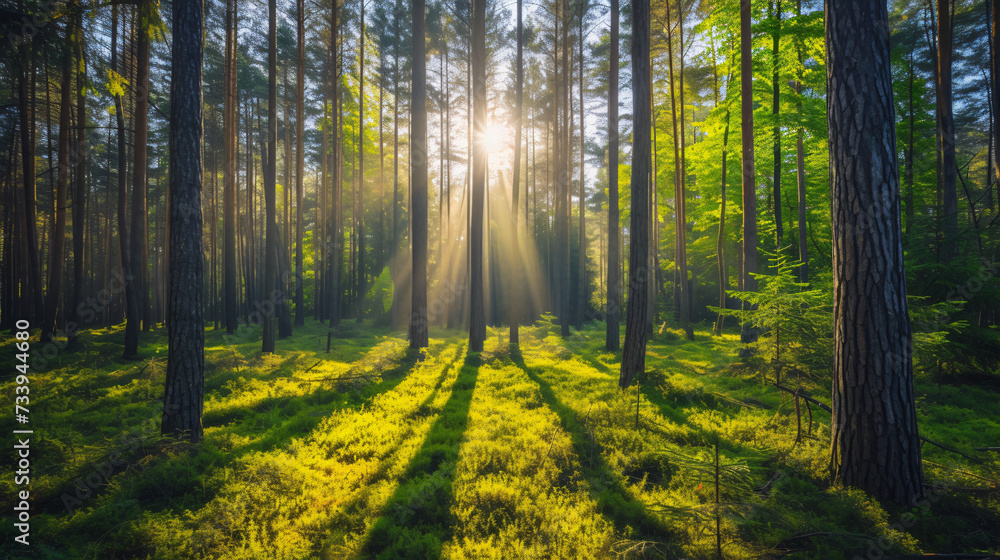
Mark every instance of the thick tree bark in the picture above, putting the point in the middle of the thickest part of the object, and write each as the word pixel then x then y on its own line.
pixel 874 441
pixel 477 318
pixel 185 387
pixel 271 246
pixel 418 182
pixel 229 270
pixel 54 296
pixel 748 334
pixel 300 84
pixel 634 351
pixel 612 332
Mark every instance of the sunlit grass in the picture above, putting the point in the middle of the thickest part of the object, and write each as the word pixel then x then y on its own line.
pixel 375 451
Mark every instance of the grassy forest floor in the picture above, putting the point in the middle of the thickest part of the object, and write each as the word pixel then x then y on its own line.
pixel 374 451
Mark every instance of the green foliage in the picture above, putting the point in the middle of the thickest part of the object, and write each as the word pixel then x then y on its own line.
pixel 785 313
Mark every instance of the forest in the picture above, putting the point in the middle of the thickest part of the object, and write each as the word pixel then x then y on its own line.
pixel 678 279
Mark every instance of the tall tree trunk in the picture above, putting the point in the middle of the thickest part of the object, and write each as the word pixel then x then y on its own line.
pixel 634 351
pixel 300 83
pixel 418 181
pixel 271 249
pixel 581 274
pixel 680 219
pixel 141 125
pixel 125 254
pixel 477 319
pixel 612 340
pixel 515 301
pixel 946 126
pixel 54 296
pixel 720 243
pixel 359 206
pixel 995 78
pixel 749 333
pixel 79 188
pixel 563 209
pixel 335 251
pixel 229 270
pixel 800 163
pixel 776 131
pixel 875 445
pixel 185 387
pixel 26 108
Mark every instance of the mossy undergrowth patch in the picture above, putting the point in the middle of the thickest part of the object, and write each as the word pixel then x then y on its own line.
pixel 377 451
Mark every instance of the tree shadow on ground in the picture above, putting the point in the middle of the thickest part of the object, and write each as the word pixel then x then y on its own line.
pixel 417 519
pixel 605 487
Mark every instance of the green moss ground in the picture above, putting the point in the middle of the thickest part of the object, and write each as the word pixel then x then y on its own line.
pixel 525 453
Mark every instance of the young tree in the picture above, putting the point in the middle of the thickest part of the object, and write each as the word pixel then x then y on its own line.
pixel 875 446
pixel 418 182
pixel 185 387
pixel 611 338
pixel 634 351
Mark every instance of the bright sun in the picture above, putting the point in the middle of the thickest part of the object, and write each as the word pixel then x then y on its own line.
pixel 495 137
